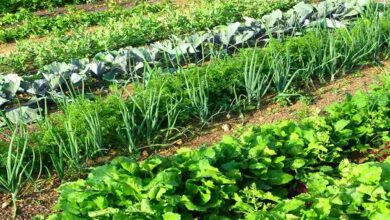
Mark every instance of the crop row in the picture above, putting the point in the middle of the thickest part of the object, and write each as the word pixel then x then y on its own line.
pixel 133 31
pixel 254 175
pixel 25 24
pixel 15 5
pixel 138 62
pixel 159 110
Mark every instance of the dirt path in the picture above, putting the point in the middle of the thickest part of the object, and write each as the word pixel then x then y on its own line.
pixel 42 202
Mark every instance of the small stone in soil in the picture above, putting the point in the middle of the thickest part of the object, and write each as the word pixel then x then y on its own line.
pixel 5 205
pixel 226 127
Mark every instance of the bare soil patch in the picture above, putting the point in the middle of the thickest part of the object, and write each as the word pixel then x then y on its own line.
pixel 33 202
pixel 5 49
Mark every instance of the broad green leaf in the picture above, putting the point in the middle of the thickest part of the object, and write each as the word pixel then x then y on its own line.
pixel 291 205
pixel 323 206
pixel 171 216
pixel 317 183
pixel 298 163
pixel 151 163
pixel 100 202
pixel 340 125
pixel 279 177
pixel 104 212
pixel 190 205
pixel 23 115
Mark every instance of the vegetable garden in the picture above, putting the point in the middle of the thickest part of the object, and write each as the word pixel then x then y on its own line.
pixel 85 105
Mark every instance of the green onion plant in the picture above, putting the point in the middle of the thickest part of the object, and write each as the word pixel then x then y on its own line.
pixel 257 80
pixel 18 168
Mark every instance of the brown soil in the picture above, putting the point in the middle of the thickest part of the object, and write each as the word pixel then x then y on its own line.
pixel 8 48
pixel 34 203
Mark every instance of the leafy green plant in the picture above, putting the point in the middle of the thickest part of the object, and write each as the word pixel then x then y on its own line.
pixel 24 23
pixel 251 174
pixel 359 192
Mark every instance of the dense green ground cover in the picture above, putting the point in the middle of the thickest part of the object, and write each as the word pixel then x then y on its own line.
pixel 141 27
pixel 285 170
pixel 26 24
pixel 354 191
pixel 11 6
